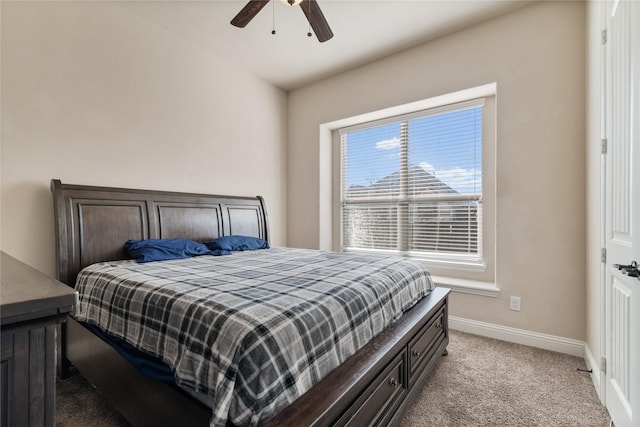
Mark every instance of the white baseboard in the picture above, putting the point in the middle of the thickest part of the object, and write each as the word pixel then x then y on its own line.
pixel 597 376
pixel 518 336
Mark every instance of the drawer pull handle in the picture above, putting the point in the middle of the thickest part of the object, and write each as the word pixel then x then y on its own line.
pixel 415 353
pixel 439 325
pixel 393 383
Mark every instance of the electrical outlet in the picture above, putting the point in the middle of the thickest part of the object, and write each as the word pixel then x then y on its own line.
pixel 514 304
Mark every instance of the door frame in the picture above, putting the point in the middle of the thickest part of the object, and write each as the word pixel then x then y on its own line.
pixel 602 392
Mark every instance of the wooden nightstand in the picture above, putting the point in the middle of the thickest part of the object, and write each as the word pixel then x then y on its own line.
pixel 31 305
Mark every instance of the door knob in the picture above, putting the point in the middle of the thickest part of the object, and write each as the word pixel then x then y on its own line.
pixel 629 270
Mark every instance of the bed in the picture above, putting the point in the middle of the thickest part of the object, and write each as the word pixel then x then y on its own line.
pixel 370 387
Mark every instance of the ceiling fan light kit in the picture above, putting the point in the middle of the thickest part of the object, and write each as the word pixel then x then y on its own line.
pixel 310 8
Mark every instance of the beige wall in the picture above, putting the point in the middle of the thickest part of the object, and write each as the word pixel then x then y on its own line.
pixel 536 55
pixel 92 94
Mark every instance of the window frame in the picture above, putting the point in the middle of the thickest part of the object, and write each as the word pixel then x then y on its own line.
pixel 411 201
pixel 461 275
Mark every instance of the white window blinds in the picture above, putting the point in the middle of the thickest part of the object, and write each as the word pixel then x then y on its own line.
pixel 413 184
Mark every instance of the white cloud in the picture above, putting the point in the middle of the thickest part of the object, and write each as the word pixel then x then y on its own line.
pixel 388 144
pixel 462 180
pixel 428 167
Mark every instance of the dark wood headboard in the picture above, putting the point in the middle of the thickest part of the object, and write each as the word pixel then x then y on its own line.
pixel 93 223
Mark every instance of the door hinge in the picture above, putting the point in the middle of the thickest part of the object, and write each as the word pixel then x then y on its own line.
pixel 603 255
pixel 603 365
pixel 603 145
pixel 603 36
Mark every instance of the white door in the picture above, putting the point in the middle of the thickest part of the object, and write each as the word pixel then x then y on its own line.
pixel 622 211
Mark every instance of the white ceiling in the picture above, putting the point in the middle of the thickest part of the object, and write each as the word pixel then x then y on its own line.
pixel 364 30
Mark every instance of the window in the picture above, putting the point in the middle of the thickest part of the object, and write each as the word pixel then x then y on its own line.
pixel 413 184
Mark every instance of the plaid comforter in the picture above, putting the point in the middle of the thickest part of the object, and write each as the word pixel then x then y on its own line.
pixel 253 330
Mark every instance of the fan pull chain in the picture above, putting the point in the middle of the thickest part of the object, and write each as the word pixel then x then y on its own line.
pixel 309 34
pixel 273 18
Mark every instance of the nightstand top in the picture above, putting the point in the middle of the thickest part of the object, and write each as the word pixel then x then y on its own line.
pixel 26 293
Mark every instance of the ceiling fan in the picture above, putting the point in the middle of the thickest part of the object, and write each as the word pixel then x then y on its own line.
pixel 309 7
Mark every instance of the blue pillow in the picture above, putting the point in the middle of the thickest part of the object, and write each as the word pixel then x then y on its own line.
pixel 237 243
pixel 164 249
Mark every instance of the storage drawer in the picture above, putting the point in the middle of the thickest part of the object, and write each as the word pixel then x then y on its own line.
pixel 376 403
pixel 422 346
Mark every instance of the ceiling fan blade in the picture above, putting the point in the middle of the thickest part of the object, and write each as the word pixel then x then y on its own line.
pixel 248 12
pixel 316 19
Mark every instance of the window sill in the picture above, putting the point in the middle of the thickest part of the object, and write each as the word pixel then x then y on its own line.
pixel 465 286
pixel 474 266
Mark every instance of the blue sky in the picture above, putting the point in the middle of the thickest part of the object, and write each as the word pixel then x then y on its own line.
pixel 447 145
